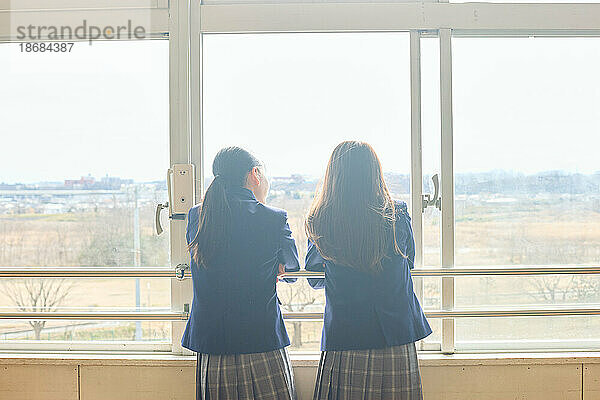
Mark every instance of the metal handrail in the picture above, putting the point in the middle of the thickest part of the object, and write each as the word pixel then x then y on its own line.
pixel 93 272
pixel 303 316
pixel 474 271
pixel 503 271
pixel 154 272
pixel 538 312
pixel 113 316
pixel 161 272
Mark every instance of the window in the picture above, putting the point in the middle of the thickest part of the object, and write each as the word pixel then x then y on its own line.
pixel 525 117
pixel 83 159
pixel 291 99
pixel 527 179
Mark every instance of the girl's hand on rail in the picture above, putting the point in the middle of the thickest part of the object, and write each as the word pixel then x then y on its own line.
pixel 281 271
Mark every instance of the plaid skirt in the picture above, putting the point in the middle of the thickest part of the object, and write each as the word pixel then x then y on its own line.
pixel 260 376
pixel 391 373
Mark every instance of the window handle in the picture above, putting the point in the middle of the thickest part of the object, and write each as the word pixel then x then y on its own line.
pixel 159 208
pixel 180 194
pixel 434 200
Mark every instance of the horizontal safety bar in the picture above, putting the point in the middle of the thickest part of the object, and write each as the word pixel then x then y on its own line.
pixel 58 272
pixel 93 316
pixel 300 316
pixel 540 312
pixel 154 272
pixel 474 271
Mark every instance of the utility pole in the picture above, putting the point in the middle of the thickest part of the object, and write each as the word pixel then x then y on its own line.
pixel 137 259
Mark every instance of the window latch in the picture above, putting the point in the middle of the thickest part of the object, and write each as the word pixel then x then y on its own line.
pixel 435 200
pixel 180 271
pixel 180 194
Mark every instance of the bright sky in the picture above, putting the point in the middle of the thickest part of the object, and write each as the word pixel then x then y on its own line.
pixel 519 104
pixel 101 109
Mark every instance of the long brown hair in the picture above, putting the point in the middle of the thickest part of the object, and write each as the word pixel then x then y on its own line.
pixel 352 218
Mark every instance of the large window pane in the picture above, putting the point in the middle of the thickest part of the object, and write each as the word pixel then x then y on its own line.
pixel 291 98
pixel 527 178
pixel 81 335
pixel 83 158
pixel 527 175
pixel 528 333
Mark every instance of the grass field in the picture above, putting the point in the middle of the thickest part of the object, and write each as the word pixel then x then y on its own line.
pixel 552 231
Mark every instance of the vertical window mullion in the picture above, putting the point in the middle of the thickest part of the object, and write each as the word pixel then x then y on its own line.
pixel 447 186
pixel 416 172
pixel 179 140
pixel 196 100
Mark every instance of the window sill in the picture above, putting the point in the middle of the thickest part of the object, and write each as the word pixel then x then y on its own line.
pixel 97 358
pixel 298 360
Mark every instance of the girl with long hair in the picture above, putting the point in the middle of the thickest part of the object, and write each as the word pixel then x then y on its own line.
pixel 238 246
pixel 363 241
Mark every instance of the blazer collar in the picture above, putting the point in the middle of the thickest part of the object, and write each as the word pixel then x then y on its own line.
pixel 241 193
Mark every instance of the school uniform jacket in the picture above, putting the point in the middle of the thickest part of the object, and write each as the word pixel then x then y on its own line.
pixel 366 310
pixel 235 308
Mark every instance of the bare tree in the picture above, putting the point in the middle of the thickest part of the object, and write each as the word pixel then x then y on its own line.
pixel 299 296
pixel 296 298
pixel 559 288
pixel 36 295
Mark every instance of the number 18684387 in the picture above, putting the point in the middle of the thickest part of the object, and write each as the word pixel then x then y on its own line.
pixel 46 47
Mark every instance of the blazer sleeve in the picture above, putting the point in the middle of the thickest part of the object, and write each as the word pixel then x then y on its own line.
pixel 288 253
pixel 404 233
pixel 315 263
pixel 191 231
pixel 192 223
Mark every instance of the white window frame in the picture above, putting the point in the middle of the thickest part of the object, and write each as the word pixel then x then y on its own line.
pixel 181 152
pixel 440 19
pixel 185 23
pixel 101 13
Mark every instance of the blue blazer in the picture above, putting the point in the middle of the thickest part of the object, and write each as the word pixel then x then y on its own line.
pixel 366 310
pixel 235 308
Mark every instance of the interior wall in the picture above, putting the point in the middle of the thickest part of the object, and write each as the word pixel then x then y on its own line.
pixel 49 381
pixel 503 382
pixel 137 383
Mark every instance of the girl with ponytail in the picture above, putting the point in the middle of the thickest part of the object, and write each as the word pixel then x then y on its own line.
pixel 238 245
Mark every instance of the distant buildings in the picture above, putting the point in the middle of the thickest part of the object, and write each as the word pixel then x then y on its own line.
pixel 83 183
pixel 86 182
pixel 498 187
pixel 293 183
pixel 77 195
pixel 15 186
pixel 89 182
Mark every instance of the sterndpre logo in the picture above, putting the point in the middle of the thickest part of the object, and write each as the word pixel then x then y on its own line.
pixel 84 31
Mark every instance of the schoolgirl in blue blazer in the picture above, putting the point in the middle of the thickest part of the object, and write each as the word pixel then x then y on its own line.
pixel 238 246
pixel 363 241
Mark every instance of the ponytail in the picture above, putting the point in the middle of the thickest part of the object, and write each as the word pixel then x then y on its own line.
pixel 215 214
pixel 230 168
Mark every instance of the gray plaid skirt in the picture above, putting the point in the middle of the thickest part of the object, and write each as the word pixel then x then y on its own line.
pixel 391 373
pixel 260 376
